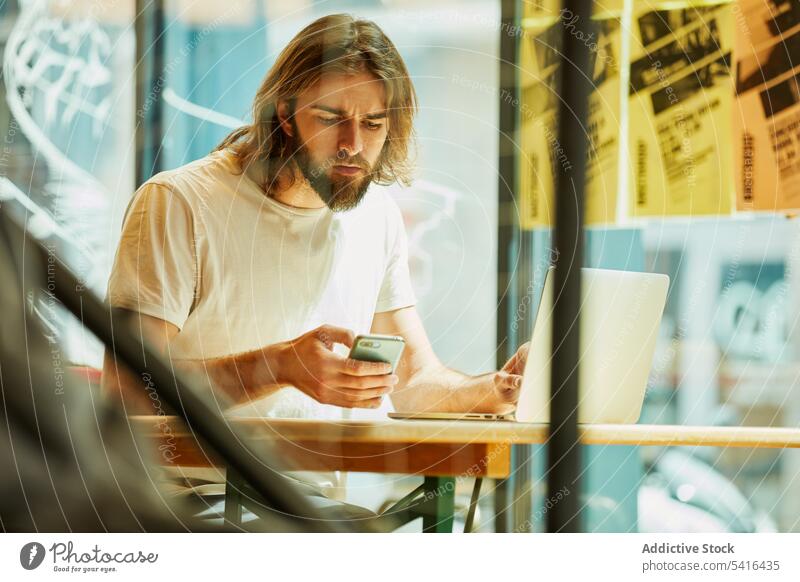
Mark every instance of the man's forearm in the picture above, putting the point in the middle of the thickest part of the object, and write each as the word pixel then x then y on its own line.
pixel 440 389
pixel 241 377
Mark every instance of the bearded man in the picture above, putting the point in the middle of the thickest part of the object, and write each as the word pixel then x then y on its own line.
pixel 251 263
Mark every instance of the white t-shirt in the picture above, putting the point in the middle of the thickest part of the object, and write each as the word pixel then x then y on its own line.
pixel 205 249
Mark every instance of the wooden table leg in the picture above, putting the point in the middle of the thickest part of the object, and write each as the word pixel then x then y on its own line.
pixel 437 512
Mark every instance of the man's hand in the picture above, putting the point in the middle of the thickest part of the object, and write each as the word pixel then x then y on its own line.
pixel 309 364
pixel 508 381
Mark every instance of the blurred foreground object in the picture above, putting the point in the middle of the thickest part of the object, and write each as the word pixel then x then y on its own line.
pixel 70 461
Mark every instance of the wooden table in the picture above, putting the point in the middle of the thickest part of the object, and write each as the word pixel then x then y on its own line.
pixel 441 451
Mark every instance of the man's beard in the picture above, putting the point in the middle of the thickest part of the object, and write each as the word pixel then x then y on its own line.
pixel 339 193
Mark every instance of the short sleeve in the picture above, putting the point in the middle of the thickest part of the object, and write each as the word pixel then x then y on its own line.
pixel 396 291
pixel 155 267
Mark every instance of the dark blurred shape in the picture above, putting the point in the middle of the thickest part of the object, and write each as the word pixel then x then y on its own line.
pixel 69 460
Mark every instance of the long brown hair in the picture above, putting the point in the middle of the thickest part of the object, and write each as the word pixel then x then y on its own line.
pixel 334 43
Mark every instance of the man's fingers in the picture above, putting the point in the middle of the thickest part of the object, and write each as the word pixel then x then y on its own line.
pixel 349 397
pixel 508 386
pixel 522 357
pixel 330 334
pixel 353 367
pixel 373 403
pixel 355 395
pixel 511 365
pixel 361 382
pixel 516 365
pixel 333 392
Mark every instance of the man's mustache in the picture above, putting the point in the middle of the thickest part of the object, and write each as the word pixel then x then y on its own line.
pixel 354 161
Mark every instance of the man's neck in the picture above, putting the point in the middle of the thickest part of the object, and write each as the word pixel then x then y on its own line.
pixel 299 194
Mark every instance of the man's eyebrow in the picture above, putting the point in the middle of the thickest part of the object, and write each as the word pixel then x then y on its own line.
pixel 376 115
pixel 342 113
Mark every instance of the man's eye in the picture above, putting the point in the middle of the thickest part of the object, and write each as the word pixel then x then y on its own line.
pixel 327 120
pixel 371 125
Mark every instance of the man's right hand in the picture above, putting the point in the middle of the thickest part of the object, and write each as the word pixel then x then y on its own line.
pixel 309 364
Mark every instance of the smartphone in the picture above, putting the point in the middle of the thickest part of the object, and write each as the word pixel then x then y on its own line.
pixel 378 348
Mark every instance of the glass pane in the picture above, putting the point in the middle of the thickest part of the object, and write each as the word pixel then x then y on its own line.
pixel 68 126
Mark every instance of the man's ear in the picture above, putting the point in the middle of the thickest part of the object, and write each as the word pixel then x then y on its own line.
pixel 284 112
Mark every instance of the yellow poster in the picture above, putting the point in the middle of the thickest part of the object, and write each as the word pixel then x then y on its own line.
pixel 681 99
pixel 539 145
pixel 542 156
pixel 766 116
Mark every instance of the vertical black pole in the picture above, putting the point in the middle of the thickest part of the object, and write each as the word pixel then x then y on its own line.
pixel 507 214
pixel 150 80
pixel 564 453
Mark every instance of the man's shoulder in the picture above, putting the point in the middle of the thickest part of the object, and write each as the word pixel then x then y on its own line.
pixel 195 175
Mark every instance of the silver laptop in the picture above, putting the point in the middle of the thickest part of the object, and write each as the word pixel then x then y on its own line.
pixel 620 316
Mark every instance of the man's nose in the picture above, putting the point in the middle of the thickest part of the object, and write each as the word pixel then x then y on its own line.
pixel 350 138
